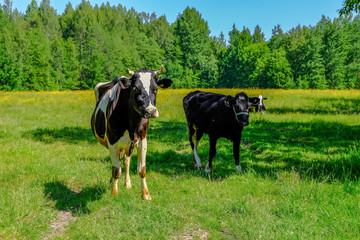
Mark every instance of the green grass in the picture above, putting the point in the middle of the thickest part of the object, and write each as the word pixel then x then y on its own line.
pixel 301 164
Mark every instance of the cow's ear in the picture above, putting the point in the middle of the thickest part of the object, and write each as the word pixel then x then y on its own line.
pixel 164 83
pixel 229 101
pixel 265 98
pixel 254 100
pixel 124 82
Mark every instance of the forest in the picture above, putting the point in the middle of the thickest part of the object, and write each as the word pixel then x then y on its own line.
pixel 43 50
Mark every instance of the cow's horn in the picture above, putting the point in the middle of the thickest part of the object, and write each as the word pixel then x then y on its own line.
pixel 128 71
pixel 160 71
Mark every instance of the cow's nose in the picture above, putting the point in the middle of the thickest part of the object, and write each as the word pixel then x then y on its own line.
pixel 245 124
pixel 151 112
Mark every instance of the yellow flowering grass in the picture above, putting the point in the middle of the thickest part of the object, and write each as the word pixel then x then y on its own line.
pixel 301 166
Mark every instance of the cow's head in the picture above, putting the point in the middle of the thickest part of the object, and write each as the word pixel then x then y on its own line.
pixel 240 105
pixel 261 104
pixel 143 85
pixel 258 104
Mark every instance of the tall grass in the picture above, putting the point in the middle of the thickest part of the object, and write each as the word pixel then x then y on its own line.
pixel 301 161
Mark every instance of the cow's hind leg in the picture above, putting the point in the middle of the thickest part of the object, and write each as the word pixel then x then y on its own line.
pixel 141 167
pixel 212 153
pixel 127 171
pixel 116 169
pixel 194 138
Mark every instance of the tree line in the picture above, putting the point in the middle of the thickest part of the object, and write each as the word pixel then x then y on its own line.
pixel 43 50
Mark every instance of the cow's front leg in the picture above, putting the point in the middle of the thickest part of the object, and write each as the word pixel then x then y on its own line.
pixel 212 153
pixel 116 169
pixel 236 150
pixel 141 167
pixel 127 171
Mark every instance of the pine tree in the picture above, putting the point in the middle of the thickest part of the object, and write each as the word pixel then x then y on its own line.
pixel 71 66
pixel 57 63
pixel 258 36
pixel 192 33
pixel 278 71
pixel 8 70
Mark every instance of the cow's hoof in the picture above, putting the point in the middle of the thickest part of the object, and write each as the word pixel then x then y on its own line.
pixel 239 170
pixel 128 185
pixel 145 194
pixel 207 168
pixel 146 197
pixel 114 191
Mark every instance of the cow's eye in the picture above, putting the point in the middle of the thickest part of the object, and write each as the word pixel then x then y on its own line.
pixel 135 89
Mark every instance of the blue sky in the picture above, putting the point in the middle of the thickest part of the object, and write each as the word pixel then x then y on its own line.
pixel 221 15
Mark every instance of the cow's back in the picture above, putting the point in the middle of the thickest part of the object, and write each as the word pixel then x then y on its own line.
pixel 101 88
pixel 104 93
pixel 198 105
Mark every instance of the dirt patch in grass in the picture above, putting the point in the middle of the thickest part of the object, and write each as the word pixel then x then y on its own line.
pixel 58 225
pixel 194 234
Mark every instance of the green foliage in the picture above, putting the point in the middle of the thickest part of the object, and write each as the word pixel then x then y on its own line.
pixel 349 6
pixel 43 50
pixel 192 36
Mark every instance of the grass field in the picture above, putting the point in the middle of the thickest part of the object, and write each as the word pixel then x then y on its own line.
pixel 301 163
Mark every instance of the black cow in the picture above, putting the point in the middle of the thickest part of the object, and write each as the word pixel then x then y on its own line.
pixel 121 118
pixel 218 116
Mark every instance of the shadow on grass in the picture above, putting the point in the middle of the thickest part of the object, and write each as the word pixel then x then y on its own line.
pixel 75 202
pixel 71 135
pixel 315 150
pixel 105 159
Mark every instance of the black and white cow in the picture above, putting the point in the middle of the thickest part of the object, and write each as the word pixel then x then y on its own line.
pixel 259 106
pixel 218 116
pixel 121 118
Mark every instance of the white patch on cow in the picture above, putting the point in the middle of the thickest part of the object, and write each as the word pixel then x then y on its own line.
pixel 261 100
pixel 114 155
pixel 141 167
pixel 145 78
pixel 115 159
pixel 127 171
pixel 261 104
pixel 96 90
pixel 109 95
pixel 123 143
pixel 141 150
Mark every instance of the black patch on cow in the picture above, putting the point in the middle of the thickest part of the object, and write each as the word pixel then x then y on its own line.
pixel 164 83
pixel 99 125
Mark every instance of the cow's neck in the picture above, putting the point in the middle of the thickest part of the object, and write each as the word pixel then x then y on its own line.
pixel 134 119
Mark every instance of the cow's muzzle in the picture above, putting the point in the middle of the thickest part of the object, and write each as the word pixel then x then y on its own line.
pixel 151 112
pixel 244 124
pixel 242 117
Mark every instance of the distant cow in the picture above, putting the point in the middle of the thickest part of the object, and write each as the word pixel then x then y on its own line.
pixel 121 118
pixel 218 116
pixel 259 106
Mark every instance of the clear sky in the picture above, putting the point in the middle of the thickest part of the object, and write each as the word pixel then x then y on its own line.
pixel 221 15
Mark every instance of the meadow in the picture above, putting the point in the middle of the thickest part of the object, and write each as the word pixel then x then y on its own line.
pixel 301 162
